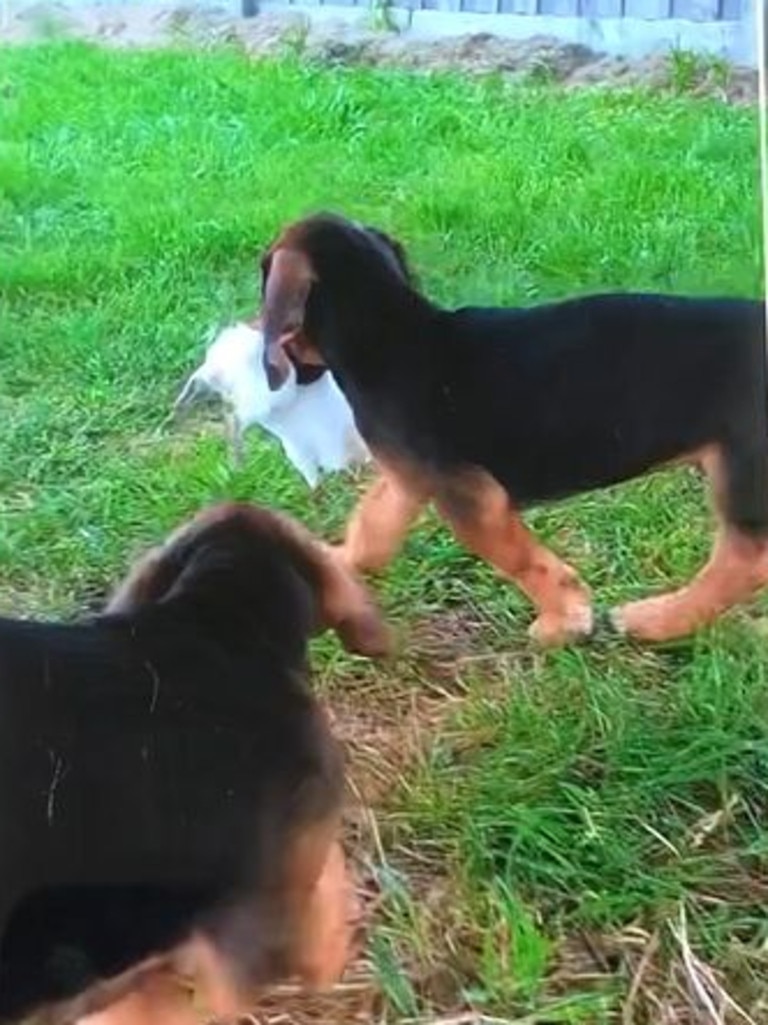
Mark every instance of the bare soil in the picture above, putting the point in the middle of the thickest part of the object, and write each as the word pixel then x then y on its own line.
pixel 335 42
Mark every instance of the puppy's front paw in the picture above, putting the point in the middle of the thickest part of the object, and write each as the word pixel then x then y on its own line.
pixel 558 629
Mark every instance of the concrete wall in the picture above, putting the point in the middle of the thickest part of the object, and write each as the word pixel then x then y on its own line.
pixel 630 28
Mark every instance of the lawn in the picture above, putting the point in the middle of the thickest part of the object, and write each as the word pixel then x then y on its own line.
pixel 572 837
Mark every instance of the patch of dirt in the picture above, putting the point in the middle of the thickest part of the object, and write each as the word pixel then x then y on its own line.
pixel 541 58
pixel 444 643
pixel 388 721
pixel 356 999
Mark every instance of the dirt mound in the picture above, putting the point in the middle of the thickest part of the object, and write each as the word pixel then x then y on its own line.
pixel 539 58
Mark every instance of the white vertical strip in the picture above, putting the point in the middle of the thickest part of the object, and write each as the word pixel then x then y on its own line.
pixel 761 16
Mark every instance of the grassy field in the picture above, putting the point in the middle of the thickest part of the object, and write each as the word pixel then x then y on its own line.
pixel 571 837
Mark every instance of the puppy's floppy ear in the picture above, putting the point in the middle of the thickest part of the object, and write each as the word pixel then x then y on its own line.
pixel 348 608
pixel 147 581
pixel 287 278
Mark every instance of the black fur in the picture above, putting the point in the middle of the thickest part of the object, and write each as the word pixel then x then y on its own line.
pixel 551 400
pixel 154 763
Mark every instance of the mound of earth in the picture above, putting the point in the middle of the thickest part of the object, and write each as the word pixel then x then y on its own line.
pixel 540 58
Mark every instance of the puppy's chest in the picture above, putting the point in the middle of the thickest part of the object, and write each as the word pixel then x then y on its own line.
pixel 414 426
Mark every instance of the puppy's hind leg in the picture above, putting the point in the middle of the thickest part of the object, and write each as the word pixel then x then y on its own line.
pixel 323 945
pixel 738 566
pixel 483 518
pixel 302 927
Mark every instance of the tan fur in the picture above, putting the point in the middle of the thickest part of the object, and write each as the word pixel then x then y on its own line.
pixel 737 569
pixel 735 572
pixel 482 517
pixel 381 520
pixel 157 1000
pixel 325 902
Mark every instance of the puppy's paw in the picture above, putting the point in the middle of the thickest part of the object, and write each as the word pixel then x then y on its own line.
pixel 558 629
pixel 367 634
pixel 652 620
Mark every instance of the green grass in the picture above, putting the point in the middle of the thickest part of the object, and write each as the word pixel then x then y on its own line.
pixel 556 796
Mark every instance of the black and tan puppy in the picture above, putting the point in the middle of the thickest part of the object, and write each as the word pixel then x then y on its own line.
pixel 487 411
pixel 170 792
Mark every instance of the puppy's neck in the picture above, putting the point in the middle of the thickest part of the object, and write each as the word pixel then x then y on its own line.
pixel 369 339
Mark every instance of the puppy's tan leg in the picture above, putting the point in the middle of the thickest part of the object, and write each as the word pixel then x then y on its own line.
pixel 309 926
pixel 380 522
pixel 323 907
pixel 157 999
pixel 214 982
pixel 324 944
pixel 483 519
pixel 737 569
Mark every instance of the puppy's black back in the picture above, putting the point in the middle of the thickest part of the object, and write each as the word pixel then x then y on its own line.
pixel 576 395
pixel 550 401
pixel 152 766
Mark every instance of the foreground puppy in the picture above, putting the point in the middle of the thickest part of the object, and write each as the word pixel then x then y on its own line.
pixel 486 411
pixel 169 788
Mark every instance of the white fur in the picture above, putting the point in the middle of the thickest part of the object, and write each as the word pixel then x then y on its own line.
pixel 313 422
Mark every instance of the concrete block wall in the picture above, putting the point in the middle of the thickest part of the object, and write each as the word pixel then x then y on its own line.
pixel 628 28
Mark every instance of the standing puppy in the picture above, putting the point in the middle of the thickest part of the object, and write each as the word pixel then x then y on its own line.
pixel 170 792
pixel 487 411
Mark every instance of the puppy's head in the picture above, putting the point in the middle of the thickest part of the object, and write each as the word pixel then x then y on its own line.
pixel 233 540
pixel 320 250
